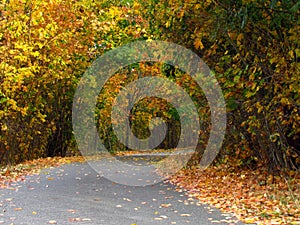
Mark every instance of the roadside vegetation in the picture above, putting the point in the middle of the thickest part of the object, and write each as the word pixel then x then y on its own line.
pixel 252 46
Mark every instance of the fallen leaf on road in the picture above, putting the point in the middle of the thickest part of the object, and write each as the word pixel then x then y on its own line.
pixel 71 210
pixel 165 205
pixel 18 209
pixel 164 217
pixel 74 219
pixel 185 215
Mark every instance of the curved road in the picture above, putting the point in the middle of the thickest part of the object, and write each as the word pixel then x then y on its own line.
pixel 76 194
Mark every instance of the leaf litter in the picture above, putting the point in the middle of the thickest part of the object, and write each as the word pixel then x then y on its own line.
pixel 253 196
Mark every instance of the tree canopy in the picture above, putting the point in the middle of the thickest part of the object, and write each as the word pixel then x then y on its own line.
pixel 252 46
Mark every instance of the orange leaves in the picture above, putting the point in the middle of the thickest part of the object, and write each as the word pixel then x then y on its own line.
pixel 17 173
pixel 254 196
pixel 198 44
pixel 239 39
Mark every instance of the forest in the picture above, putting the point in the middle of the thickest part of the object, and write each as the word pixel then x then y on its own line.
pixel 251 46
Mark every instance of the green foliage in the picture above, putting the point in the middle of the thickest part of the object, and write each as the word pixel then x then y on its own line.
pixel 253 48
pixel 251 45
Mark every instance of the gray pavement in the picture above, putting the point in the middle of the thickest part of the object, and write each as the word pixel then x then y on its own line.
pixel 76 194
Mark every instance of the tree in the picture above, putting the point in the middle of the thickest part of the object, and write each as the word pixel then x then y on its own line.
pixel 253 48
pixel 44 49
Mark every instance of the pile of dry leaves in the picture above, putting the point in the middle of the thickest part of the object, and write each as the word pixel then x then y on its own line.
pixel 253 196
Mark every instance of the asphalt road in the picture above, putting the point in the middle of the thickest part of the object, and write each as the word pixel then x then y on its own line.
pixel 76 194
